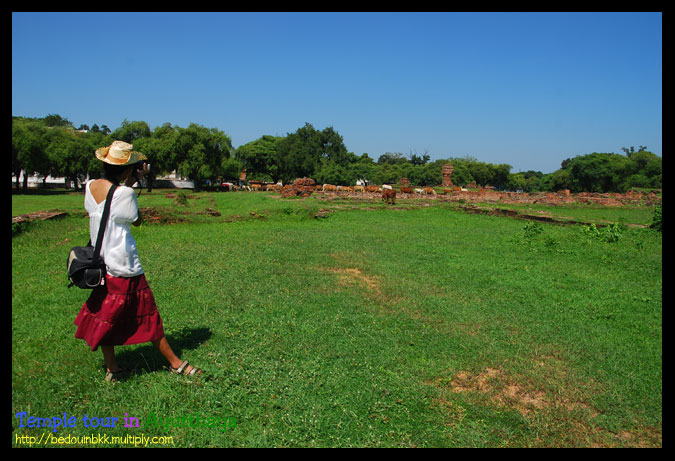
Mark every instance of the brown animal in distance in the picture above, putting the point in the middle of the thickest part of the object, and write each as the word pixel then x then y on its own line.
pixel 389 194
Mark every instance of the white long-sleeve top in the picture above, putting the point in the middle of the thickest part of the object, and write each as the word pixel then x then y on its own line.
pixel 119 247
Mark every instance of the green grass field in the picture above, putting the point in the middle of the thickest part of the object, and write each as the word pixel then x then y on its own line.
pixel 414 325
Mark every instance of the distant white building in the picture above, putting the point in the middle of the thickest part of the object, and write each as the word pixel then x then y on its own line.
pixel 41 181
pixel 173 180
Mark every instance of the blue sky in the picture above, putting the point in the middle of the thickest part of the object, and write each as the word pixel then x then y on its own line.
pixel 526 89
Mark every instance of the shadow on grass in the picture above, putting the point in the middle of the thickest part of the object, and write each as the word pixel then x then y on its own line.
pixel 45 191
pixel 145 358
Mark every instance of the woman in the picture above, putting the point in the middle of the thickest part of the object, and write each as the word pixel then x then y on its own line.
pixel 123 310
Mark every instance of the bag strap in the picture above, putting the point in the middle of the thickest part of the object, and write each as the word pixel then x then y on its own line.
pixel 104 222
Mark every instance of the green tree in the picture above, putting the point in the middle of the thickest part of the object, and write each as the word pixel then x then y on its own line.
pixel 636 180
pixel 631 151
pixel 419 159
pixel 516 182
pixel 388 173
pixel 200 153
pixel 654 167
pixel 333 173
pixel 131 131
pixel 481 173
pixel 165 149
pixel 55 120
pixel 333 148
pixel 429 174
pixel 299 153
pixel 260 158
pixel 500 176
pixel 230 168
pixel 598 172
pixel 103 129
pixel 653 170
pixel 560 180
pixel 364 169
pixel 391 158
pixel 71 155
pixel 194 165
pixel 28 149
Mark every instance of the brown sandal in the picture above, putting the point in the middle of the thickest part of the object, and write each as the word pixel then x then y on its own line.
pixel 183 366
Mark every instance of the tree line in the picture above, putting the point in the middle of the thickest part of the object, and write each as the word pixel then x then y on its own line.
pixel 52 146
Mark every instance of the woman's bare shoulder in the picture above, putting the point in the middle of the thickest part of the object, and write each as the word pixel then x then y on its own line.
pixel 99 189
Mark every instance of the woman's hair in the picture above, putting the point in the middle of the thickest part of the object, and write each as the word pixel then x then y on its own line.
pixel 113 172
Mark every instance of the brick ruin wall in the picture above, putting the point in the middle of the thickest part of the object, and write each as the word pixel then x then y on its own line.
pixel 492 196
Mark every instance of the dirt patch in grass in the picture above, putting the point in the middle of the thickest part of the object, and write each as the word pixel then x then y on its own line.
pixel 558 407
pixel 351 275
pixel 501 389
pixel 547 387
pixel 191 197
pixel 152 215
pixel 158 215
pixel 648 437
pixel 39 215
pixel 388 303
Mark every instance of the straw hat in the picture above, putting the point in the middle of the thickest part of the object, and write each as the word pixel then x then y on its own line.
pixel 119 153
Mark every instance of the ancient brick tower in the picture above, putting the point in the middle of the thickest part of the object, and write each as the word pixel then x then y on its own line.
pixel 447 171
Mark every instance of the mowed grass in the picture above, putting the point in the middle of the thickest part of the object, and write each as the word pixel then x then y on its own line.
pixel 377 326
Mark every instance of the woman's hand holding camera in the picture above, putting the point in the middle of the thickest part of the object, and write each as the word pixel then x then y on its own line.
pixel 137 173
pixel 143 170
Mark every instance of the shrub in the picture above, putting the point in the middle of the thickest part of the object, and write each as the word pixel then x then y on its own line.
pixel 181 199
pixel 609 234
pixel 19 227
pixel 532 229
pixel 656 218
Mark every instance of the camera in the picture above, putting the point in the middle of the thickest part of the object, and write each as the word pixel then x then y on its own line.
pixel 138 166
pixel 138 172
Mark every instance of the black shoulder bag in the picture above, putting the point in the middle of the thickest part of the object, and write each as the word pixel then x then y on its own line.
pixel 86 269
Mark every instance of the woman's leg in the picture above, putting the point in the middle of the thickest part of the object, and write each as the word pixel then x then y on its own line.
pixel 165 349
pixel 109 357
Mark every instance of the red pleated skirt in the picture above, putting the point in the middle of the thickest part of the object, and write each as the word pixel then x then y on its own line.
pixel 121 312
